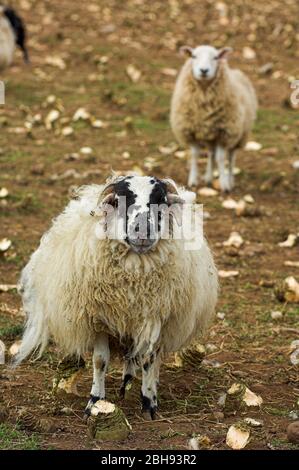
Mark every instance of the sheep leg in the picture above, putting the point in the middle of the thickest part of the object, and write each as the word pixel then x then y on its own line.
pixel 100 360
pixel 193 173
pixel 231 165
pixel 128 375
pixel 150 378
pixel 220 155
pixel 208 178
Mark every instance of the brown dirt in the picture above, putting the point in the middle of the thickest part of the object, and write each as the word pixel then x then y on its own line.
pixel 250 346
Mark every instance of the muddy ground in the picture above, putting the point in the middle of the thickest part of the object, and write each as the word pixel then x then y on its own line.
pixel 80 52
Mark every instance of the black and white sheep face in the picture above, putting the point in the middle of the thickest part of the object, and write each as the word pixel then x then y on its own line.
pixel 205 60
pixel 137 209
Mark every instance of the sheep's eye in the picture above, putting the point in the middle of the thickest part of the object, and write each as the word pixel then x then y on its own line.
pixel 216 58
pixel 193 56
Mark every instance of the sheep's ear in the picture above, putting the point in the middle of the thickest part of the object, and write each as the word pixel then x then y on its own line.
pixel 104 205
pixel 175 203
pixel 108 195
pixel 224 53
pixel 109 199
pixel 186 50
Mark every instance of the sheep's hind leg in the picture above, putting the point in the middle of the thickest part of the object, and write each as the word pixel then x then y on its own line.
pixel 150 378
pixel 193 173
pixel 220 155
pixel 100 360
pixel 129 373
pixel 231 165
pixel 208 178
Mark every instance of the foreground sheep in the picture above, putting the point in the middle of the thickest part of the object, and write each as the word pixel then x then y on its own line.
pixel 101 275
pixel 213 106
pixel 12 33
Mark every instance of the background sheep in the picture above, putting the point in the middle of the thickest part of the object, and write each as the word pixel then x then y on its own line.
pixel 212 106
pixel 101 274
pixel 12 33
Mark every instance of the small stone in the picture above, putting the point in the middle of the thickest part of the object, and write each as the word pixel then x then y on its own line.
pixel 207 192
pixel 67 411
pixel 234 240
pixel 293 432
pixel 218 415
pixel 229 204
pixel 82 114
pixel 293 415
pixel 199 442
pixel 5 244
pixel 248 198
pixel 292 240
pixel 97 124
pixel 227 274
pixel 15 347
pixel 220 315
pixel 276 315
pixel 86 150
pixel 266 68
pixel 253 422
pixel 294 357
pixel 67 131
pixel 3 193
pixel 249 53
pixel 253 146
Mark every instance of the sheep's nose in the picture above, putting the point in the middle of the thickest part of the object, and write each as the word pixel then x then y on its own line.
pixel 142 229
pixel 204 71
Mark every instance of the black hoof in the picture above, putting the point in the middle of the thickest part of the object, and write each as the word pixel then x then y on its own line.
pixel 148 410
pixel 128 378
pixel 149 415
pixel 93 399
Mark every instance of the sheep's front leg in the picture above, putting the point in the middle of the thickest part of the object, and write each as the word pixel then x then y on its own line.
pixel 150 379
pixel 220 154
pixel 100 360
pixel 193 173
pixel 208 178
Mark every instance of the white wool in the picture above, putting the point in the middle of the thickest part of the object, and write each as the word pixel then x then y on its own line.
pixel 7 42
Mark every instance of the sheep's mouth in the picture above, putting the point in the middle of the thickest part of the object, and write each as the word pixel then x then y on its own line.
pixel 204 78
pixel 141 246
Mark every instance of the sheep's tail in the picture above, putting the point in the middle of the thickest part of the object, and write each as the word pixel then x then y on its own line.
pixel 35 338
pixel 36 334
